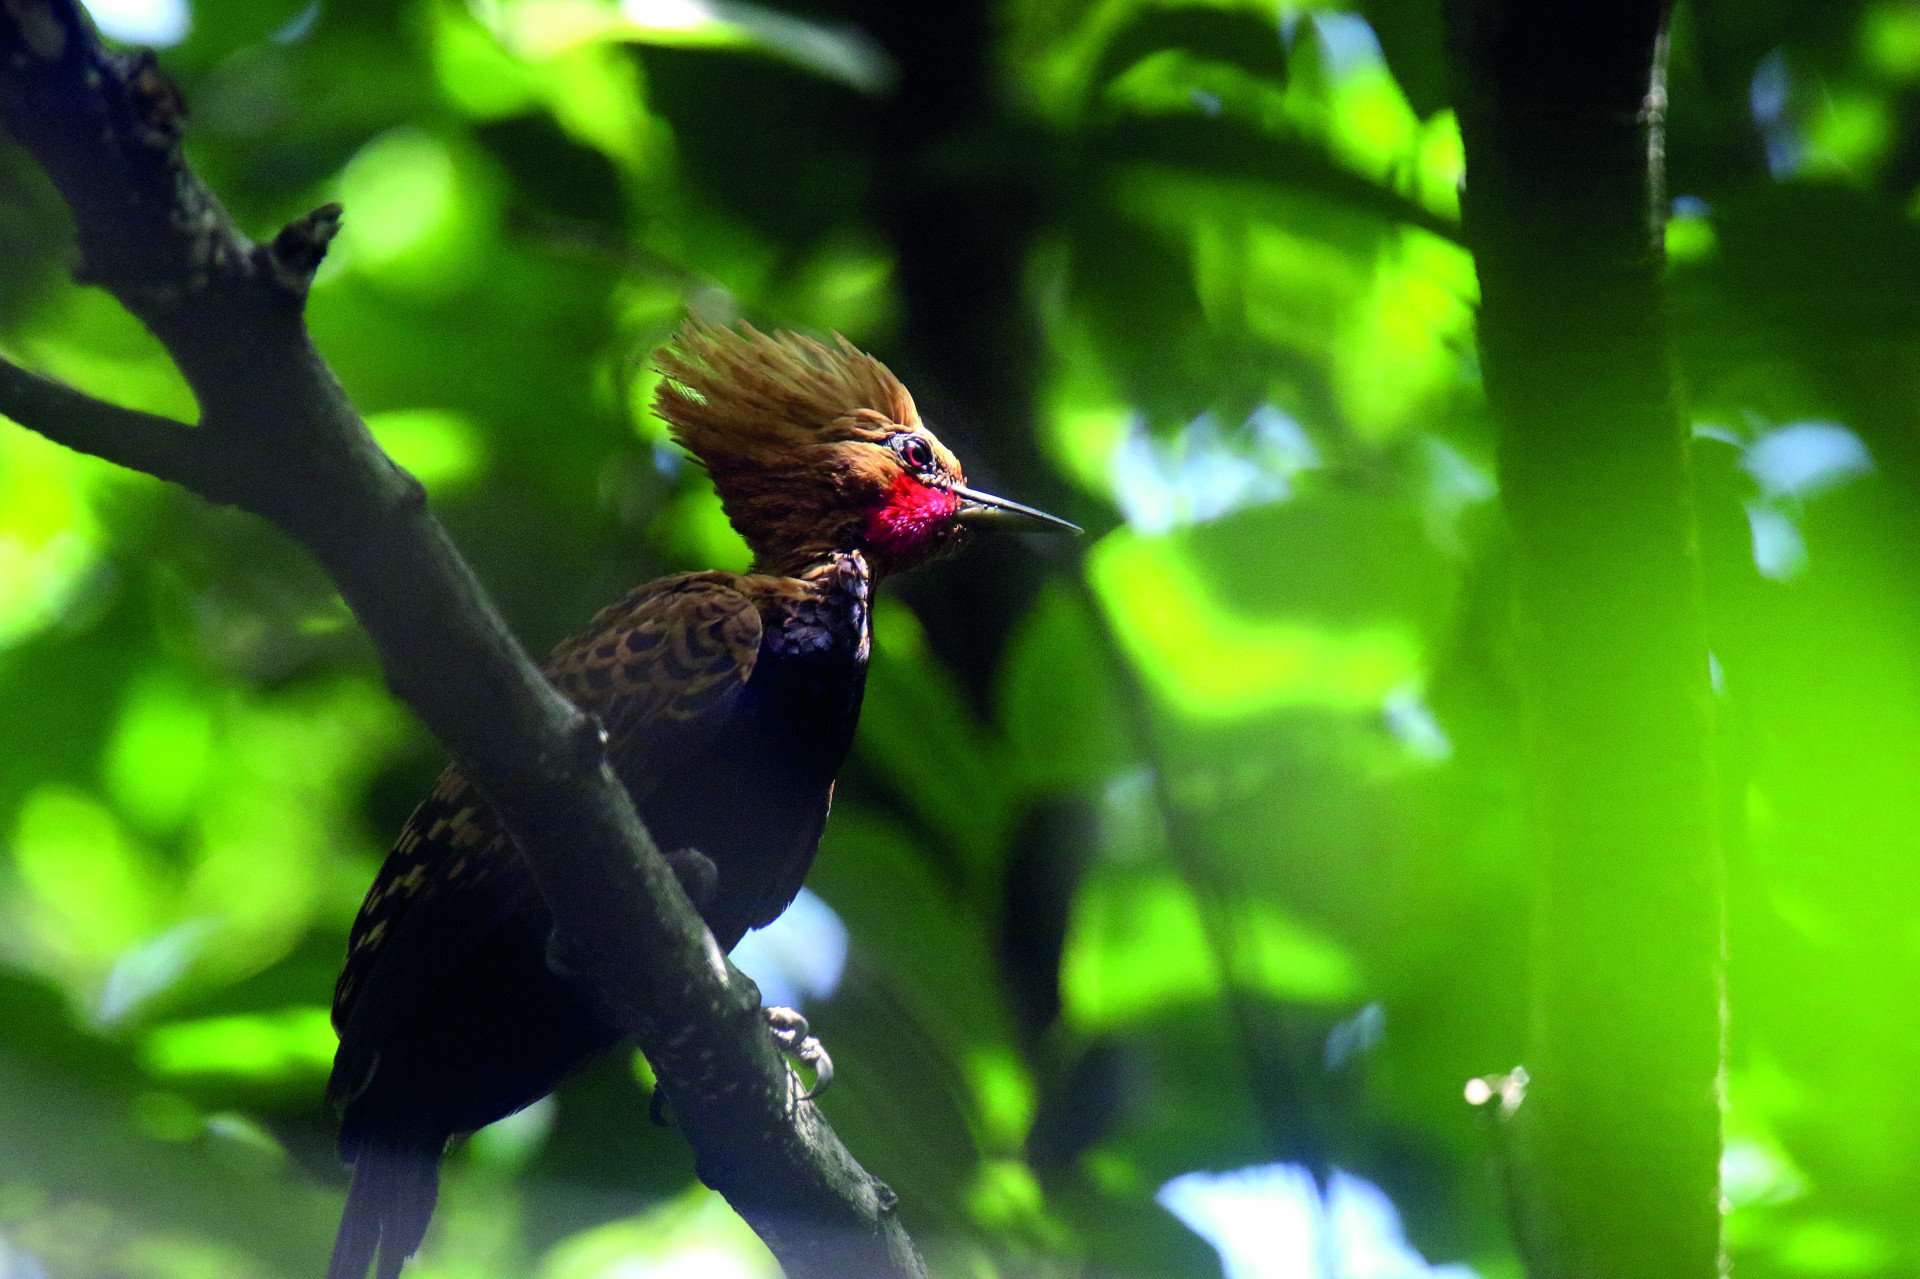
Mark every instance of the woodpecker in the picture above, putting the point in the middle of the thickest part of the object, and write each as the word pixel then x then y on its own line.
pixel 729 702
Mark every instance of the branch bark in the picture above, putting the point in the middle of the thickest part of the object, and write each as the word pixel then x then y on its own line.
pixel 1618 1141
pixel 279 437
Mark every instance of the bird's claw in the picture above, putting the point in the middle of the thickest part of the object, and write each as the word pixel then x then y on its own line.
pixel 797 1040
pixel 792 1036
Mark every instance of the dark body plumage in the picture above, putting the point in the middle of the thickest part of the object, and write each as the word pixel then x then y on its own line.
pixel 730 702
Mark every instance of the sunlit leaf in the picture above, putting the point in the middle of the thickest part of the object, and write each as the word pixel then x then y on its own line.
pixel 695 530
pixel 1891 39
pixel 1006 1196
pixel 1245 37
pixel 1138 944
pixel 1208 657
pixel 1406 346
pixel 286 772
pixel 544 27
pixel 916 731
pixel 476 71
pixel 1830 1246
pixel 1063 716
pixel 849 286
pixel 88 890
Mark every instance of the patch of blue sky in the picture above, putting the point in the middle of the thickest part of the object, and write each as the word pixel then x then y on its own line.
pixel 1801 459
pixel 1348 42
pixel 1206 471
pixel 159 24
pixel 1789 464
pixel 1271 1222
pixel 800 957
pixel 1779 550
pixel 1769 98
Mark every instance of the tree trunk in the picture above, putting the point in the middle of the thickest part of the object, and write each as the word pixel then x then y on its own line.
pixel 1616 1149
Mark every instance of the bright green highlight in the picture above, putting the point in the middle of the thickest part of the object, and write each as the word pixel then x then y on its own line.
pixel 162 749
pixel 693 1234
pixel 1849 132
pixel 419 213
pixel 338 732
pixel 1832 1246
pixel 1690 239
pixel 48 533
pixel 589 87
pixel 849 285
pixel 442 448
pixel 85 339
pixel 1890 40
pixel 289 1043
pixel 476 73
pixel 510 1142
pixel 1369 122
pixel 1004 1093
pixel 1403 344
pixel 1442 164
pixel 1086 417
pixel 594 94
pixel 1006 1196
pixel 1086 436
pixel 694 528
pixel 1284 285
pixel 1210 661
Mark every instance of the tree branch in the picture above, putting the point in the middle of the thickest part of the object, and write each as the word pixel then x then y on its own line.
pixel 141 441
pixel 279 437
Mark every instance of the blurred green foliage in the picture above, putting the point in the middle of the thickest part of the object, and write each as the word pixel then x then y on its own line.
pixel 1195 847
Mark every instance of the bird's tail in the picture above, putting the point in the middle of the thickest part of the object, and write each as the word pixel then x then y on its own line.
pixel 388 1207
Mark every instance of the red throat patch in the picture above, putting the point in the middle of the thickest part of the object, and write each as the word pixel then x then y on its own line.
pixel 911 513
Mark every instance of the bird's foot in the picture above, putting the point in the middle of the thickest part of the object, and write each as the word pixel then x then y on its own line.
pixel 796 1039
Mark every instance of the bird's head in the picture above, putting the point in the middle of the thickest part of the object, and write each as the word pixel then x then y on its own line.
pixel 816 448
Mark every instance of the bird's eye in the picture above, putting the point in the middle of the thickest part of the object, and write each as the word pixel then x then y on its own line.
pixel 914 451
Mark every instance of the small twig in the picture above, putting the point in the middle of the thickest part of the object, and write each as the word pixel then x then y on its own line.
pixel 296 253
pixel 141 441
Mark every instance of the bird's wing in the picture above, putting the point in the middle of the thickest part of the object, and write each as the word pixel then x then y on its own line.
pixel 660 669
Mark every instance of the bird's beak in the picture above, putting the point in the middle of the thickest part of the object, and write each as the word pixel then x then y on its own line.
pixel 984 509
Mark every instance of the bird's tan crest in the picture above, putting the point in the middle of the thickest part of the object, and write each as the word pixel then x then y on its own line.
pixel 794 432
pixel 743 392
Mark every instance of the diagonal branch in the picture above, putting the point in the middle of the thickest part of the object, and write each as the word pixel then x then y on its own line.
pixel 279 437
